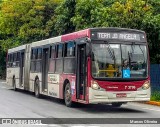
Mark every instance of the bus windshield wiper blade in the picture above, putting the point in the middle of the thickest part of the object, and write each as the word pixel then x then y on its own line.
pixel 111 52
pixel 129 58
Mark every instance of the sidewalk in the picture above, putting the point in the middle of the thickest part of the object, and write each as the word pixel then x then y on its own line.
pixel 153 103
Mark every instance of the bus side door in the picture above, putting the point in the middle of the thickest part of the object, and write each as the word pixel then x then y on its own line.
pixel 22 60
pixel 81 71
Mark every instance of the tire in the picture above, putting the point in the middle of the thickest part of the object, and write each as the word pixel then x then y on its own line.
pixel 68 96
pixel 36 88
pixel 116 104
pixel 14 84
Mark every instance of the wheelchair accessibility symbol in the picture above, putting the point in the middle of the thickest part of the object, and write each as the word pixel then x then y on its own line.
pixel 126 73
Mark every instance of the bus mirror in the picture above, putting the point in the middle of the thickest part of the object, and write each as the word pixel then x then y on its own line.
pixel 88 40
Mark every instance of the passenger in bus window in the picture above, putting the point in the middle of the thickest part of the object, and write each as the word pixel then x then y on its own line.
pixel 125 64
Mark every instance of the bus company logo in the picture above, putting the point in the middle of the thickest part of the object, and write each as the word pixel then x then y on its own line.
pixel 112 87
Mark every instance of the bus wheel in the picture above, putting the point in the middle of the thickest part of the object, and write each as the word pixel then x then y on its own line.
pixel 14 84
pixel 68 96
pixel 116 104
pixel 36 89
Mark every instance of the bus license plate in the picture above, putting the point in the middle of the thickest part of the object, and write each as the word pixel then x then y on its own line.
pixel 120 95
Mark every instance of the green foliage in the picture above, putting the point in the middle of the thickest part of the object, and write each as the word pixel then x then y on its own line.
pixel 155 96
pixel 64 12
pixel 26 21
pixel 88 14
pixel 129 14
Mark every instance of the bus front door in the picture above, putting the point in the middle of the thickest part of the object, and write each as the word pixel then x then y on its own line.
pixel 81 72
pixel 21 79
pixel 45 63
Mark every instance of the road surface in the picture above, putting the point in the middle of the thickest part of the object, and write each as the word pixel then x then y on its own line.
pixel 20 104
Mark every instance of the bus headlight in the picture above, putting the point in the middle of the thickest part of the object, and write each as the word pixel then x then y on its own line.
pixel 146 85
pixel 95 85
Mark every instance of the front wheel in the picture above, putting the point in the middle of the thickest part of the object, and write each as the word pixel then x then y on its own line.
pixel 116 104
pixel 68 96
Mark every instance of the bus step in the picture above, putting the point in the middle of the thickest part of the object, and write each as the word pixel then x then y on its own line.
pixel 81 101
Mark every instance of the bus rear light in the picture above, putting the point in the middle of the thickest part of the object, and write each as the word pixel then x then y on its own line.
pixel 146 85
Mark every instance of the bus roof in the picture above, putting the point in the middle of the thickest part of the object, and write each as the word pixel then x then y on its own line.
pixel 76 35
pixel 22 47
pixel 46 41
pixel 86 32
pixel 73 36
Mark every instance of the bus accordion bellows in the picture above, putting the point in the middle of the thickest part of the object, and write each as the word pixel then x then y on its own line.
pixel 95 65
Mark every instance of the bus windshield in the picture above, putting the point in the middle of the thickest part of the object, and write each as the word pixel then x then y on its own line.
pixel 119 61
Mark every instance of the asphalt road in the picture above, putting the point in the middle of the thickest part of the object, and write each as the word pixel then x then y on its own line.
pixel 20 104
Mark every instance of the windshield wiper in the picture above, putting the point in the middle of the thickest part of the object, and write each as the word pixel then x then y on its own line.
pixel 129 58
pixel 111 52
pixel 143 54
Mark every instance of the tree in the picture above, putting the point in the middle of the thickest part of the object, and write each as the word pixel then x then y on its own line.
pixel 26 21
pixel 64 12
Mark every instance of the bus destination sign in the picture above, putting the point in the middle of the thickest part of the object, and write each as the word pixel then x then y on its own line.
pixel 121 36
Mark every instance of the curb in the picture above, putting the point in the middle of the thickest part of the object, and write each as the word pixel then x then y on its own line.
pixel 153 103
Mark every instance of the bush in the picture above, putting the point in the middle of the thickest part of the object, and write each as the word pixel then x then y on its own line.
pixel 155 96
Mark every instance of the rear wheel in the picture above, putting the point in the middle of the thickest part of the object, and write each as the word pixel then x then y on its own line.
pixel 36 88
pixel 14 84
pixel 116 104
pixel 68 96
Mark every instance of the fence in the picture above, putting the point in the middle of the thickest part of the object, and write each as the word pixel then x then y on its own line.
pixel 155 76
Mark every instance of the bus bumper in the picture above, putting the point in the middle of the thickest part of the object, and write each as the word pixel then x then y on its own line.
pixel 97 96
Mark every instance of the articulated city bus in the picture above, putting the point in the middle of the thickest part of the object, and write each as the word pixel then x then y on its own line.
pixel 95 65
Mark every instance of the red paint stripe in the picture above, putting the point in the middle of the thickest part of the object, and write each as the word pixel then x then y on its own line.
pixel 76 35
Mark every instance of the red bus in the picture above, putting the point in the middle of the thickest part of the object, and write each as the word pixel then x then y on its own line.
pixel 95 65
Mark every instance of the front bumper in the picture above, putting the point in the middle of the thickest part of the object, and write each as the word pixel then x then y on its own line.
pixel 97 96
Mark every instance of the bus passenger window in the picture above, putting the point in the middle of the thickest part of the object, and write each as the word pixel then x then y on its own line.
pixel 70 49
pixel 53 51
pixel 52 59
pixel 59 50
pixel 69 60
pixel 59 61
pixel 18 56
pixel 39 53
pixel 15 57
pixel 34 54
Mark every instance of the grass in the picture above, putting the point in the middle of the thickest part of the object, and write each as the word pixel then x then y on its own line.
pixel 155 96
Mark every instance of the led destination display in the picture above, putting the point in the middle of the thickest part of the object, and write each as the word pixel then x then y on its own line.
pixel 118 36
